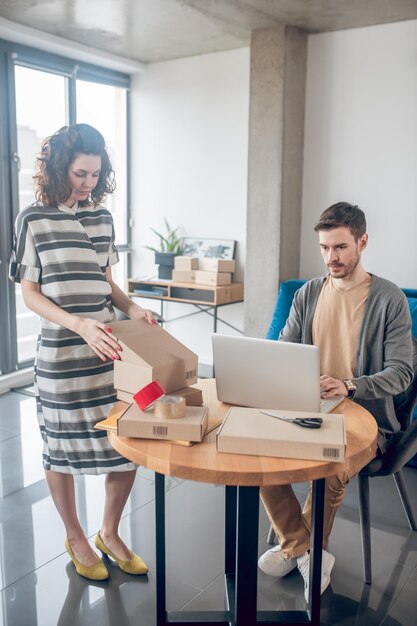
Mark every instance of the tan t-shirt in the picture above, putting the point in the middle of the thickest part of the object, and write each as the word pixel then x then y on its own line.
pixel 336 326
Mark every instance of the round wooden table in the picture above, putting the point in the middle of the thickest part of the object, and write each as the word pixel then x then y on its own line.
pixel 203 463
pixel 243 475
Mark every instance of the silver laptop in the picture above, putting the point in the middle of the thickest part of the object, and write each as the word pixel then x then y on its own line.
pixel 266 374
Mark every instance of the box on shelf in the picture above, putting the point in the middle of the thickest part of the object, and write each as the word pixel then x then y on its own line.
pixel 150 353
pixel 192 395
pixel 144 424
pixel 183 276
pixel 186 263
pixel 212 278
pixel 249 431
pixel 216 265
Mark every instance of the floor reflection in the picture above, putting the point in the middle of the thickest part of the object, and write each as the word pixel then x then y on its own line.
pixel 82 597
pixel 40 587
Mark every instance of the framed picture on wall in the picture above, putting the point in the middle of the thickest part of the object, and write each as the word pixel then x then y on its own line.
pixel 209 248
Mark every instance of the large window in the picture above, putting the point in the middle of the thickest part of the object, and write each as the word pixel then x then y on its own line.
pixel 36 118
pixel 105 107
pixel 44 93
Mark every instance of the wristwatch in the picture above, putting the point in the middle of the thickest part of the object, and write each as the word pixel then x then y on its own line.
pixel 350 386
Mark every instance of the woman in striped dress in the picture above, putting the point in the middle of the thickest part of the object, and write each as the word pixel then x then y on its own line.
pixel 62 256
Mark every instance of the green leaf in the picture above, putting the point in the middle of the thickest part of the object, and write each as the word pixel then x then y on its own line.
pixel 169 242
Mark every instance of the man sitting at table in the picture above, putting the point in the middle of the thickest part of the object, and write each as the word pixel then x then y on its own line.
pixel 362 326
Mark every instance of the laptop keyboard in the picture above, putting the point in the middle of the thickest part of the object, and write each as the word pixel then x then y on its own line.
pixel 328 404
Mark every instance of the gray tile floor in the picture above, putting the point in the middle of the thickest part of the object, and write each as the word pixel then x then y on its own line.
pixel 39 586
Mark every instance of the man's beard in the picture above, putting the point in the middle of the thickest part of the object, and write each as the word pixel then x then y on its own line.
pixel 342 270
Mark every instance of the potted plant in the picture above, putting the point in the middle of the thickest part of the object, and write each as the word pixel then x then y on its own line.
pixel 170 245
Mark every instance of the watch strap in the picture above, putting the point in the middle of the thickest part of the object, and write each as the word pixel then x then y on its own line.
pixel 350 386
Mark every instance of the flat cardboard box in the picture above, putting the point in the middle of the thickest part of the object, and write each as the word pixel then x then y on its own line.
pixel 186 263
pixel 150 353
pixel 145 424
pixel 183 276
pixel 216 265
pixel 193 396
pixel 110 424
pixel 212 278
pixel 248 431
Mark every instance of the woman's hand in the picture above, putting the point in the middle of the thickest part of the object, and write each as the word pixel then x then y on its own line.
pixel 139 314
pixel 126 305
pixel 96 335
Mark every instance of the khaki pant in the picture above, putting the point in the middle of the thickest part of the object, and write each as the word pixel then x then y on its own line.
pixel 291 524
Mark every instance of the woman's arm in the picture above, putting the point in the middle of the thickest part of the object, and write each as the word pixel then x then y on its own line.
pixel 94 333
pixel 125 304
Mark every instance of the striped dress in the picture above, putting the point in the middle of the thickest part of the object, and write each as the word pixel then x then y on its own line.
pixel 67 252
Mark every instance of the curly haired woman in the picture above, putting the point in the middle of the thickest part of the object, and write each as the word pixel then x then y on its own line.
pixel 62 256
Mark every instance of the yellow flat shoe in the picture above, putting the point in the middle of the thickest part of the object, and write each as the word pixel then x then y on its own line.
pixel 97 571
pixel 135 565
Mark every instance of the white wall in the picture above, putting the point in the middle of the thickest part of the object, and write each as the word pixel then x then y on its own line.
pixel 190 128
pixel 189 164
pixel 361 142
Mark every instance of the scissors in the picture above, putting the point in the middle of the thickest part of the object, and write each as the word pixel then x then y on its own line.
pixel 305 422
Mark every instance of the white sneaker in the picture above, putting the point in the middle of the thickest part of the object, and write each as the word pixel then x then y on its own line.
pixel 303 564
pixel 275 563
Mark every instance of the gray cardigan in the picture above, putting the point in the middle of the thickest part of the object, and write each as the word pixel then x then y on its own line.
pixel 384 356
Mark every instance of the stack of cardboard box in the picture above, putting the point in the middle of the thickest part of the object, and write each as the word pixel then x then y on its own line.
pixel 184 269
pixel 150 353
pixel 204 271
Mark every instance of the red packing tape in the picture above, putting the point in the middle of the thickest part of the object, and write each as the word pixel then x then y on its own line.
pixel 148 394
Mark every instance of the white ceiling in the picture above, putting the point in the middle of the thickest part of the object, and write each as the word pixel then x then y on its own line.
pixel 158 30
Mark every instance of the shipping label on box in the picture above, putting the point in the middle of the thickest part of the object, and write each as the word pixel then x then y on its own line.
pixel 145 424
pixel 150 353
pixel 217 265
pixel 213 278
pixel 183 276
pixel 185 263
pixel 249 431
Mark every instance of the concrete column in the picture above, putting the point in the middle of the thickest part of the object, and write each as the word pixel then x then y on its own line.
pixel 275 167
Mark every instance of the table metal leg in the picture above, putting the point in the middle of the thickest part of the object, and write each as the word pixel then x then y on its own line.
pixel 241 550
pixel 316 544
pixel 230 545
pixel 230 530
pixel 247 556
pixel 160 549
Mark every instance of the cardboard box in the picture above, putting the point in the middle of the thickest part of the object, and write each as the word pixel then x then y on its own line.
pixel 183 276
pixel 216 265
pixel 212 278
pixel 193 396
pixel 229 293
pixel 144 424
pixel 248 431
pixel 186 263
pixel 150 353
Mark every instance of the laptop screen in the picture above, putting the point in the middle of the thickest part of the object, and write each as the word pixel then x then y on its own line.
pixel 261 373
